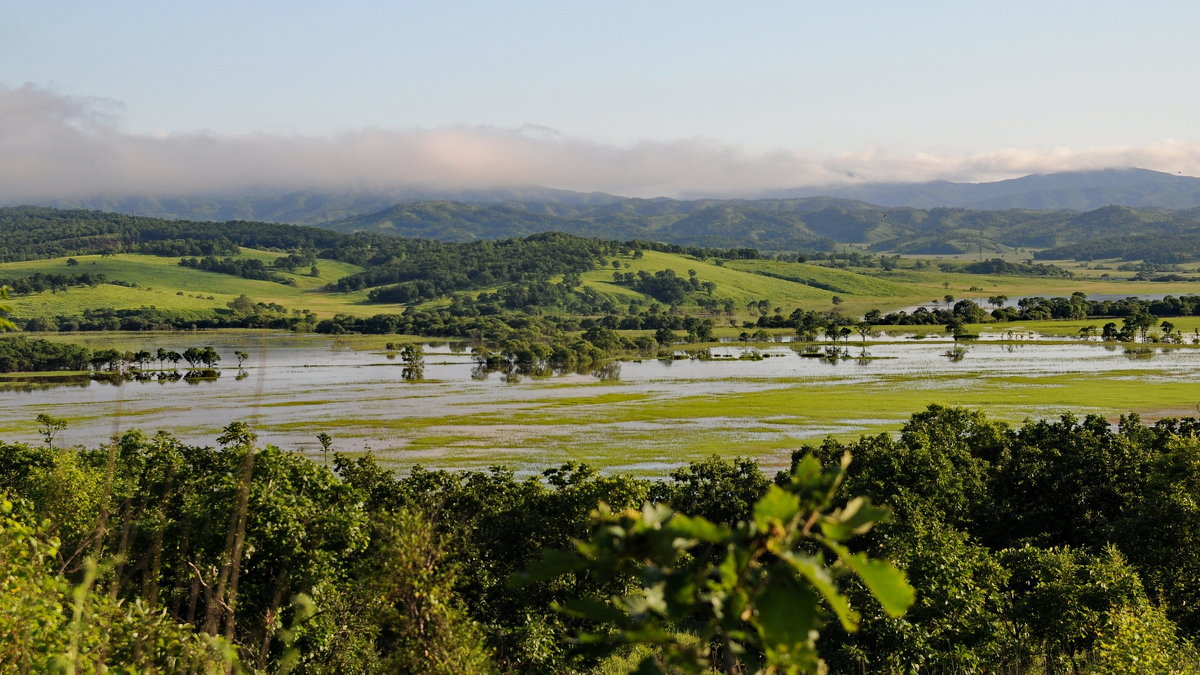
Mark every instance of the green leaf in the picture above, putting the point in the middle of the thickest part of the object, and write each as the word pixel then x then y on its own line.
pixel 787 613
pixel 857 517
pixel 818 576
pixel 778 505
pixel 807 470
pixel 888 584
pixel 697 527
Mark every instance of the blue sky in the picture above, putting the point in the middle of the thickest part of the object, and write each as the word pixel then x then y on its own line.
pixel 761 94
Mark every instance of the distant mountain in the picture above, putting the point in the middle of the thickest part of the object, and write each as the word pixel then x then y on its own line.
pixel 1157 235
pixel 817 224
pixel 1075 190
pixel 767 224
pixel 308 207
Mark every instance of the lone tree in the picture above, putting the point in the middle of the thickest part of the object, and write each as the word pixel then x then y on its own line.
pixel 326 442
pixel 50 428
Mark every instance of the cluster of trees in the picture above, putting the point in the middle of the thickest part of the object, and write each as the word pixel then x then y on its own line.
pixel 1050 543
pixel 664 285
pixel 289 262
pixel 48 281
pixel 806 323
pixel 22 354
pixel 1054 545
pixel 456 267
pixel 1137 311
pixel 246 268
pixel 32 232
pixel 566 295
pixel 1000 266
pixel 1161 248
pixel 241 313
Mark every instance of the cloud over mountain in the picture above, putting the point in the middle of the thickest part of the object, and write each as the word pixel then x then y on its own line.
pixel 59 146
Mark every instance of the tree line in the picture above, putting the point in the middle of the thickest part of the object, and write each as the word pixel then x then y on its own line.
pixel 22 354
pixel 50 281
pixel 246 268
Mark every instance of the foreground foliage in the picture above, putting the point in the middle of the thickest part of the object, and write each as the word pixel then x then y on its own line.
pixel 1058 546
pixel 750 594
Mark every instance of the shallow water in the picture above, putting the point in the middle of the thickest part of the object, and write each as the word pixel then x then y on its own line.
pixel 293 386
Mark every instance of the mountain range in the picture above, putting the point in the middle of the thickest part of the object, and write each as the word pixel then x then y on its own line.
pixel 1076 190
pixel 1117 212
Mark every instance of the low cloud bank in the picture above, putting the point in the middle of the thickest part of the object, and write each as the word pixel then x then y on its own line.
pixel 54 146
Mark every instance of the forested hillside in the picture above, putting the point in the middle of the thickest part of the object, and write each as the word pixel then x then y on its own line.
pixel 806 225
pixel 814 224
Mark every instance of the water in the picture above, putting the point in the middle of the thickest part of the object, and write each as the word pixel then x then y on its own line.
pixel 292 386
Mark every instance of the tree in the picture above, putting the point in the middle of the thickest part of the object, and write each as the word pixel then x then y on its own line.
pixel 865 330
pixel 5 324
pixel 956 327
pixel 758 606
pixel 326 442
pixel 721 490
pixel 50 426
pixel 241 357
pixel 413 357
pixel 209 357
pixel 1139 323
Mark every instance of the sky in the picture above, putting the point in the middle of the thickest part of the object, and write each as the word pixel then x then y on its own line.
pixel 638 98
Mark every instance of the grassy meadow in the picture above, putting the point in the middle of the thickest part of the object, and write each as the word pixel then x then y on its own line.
pixel 161 282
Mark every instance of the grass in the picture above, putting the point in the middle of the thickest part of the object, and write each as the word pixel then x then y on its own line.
pixel 161 282
pixel 644 427
pixel 646 431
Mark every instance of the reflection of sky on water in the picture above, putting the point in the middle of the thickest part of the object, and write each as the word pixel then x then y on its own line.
pixel 302 380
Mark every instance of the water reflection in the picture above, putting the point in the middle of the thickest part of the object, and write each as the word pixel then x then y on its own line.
pixel 115 378
pixel 294 383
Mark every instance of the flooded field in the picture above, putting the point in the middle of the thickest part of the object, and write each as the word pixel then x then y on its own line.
pixel 645 417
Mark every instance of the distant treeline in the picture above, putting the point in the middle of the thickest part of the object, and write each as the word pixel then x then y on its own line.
pixel 664 285
pixel 999 266
pixel 448 268
pixel 19 354
pixel 242 313
pixel 1041 309
pixel 1166 249
pixel 246 268
pixel 48 281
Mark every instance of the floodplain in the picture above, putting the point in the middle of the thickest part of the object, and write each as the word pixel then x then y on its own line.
pixel 641 416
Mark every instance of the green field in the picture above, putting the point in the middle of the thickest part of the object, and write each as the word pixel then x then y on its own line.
pixel 161 282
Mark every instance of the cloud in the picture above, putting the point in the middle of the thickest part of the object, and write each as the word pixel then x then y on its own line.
pixel 54 146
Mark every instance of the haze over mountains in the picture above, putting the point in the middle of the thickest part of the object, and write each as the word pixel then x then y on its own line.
pixel 1078 190
pixel 1117 212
